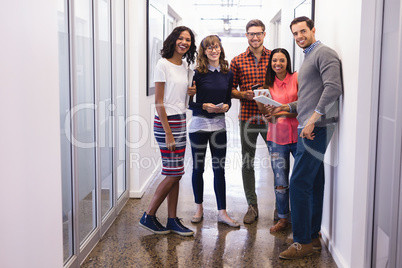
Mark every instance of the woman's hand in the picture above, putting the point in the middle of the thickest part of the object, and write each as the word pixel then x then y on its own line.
pixel 223 109
pixel 272 109
pixel 273 119
pixel 192 90
pixel 210 108
pixel 170 142
pixel 271 112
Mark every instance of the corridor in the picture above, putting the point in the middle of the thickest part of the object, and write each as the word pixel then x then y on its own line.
pixel 126 244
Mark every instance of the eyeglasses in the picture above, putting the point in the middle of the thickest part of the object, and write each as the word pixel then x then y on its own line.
pixel 211 48
pixel 258 34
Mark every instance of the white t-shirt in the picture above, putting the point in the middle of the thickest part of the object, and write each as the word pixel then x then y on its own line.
pixel 175 78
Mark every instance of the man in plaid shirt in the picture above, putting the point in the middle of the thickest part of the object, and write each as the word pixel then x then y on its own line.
pixel 249 69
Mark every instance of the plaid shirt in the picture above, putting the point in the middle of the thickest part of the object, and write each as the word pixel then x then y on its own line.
pixel 246 74
pixel 311 47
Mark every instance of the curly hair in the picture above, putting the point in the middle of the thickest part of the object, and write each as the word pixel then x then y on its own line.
pixel 202 59
pixel 169 45
pixel 270 74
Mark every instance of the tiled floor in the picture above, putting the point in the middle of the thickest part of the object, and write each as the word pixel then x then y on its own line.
pixel 126 244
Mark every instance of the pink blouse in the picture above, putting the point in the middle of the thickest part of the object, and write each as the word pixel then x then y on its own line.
pixel 285 130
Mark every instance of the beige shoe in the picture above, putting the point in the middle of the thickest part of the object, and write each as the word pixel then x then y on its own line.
pixel 252 214
pixel 297 251
pixel 230 222
pixel 195 219
pixel 315 242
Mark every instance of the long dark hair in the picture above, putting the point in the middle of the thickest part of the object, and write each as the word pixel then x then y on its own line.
pixel 270 74
pixel 169 45
pixel 202 59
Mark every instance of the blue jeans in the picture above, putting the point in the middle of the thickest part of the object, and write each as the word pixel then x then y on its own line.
pixel 217 144
pixel 307 185
pixel 280 156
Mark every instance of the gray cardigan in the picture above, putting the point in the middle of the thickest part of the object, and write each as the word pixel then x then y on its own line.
pixel 320 85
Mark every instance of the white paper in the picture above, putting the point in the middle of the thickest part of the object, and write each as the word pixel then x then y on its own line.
pixel 265 100
pixel 219 105
pixel 258 92
pixel 190 74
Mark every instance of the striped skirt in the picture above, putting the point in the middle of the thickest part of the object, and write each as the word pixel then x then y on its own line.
pixel 172 161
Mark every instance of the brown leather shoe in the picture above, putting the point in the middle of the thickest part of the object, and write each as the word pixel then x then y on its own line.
pixel 252 214
pixel 315 242
pixel 281 225
pixel 297 251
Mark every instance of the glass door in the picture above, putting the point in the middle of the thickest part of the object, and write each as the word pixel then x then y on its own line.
pixel 119 93
pixel 83 117
pixel 105 104
pixel 387 232
pixel 92 113
pixel 65 137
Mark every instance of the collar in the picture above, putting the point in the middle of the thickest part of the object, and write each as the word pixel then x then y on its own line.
pixel 265 51
pixel 285 81
pixel 311 47
pixel 212 68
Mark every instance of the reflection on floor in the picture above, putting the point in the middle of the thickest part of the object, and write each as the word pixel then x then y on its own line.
pixel 126 244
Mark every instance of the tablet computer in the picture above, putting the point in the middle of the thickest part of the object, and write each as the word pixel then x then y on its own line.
pixel 265 100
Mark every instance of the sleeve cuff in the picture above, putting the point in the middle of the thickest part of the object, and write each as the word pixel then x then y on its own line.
pixel 318 112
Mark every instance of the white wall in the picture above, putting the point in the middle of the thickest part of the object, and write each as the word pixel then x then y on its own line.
pixel 30 195
pixel 349 29
pixel 338 225
pixel 144 157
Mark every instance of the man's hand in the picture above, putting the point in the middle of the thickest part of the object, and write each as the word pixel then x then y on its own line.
pixel 307 132
pixel 248 95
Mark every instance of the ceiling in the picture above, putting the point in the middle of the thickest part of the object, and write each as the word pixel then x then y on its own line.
pixel 226 17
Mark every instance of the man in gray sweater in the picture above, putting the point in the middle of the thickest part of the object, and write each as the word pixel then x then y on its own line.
pixel 320 85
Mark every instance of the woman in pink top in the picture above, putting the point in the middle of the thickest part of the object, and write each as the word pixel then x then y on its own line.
pixel 282 131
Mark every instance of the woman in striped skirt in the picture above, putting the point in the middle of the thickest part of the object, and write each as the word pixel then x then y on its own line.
pixel 171 90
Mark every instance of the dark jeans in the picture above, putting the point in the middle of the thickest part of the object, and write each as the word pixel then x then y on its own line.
pixel 248 137
pixel 280 157
pixel 307 185
pixel 217 144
